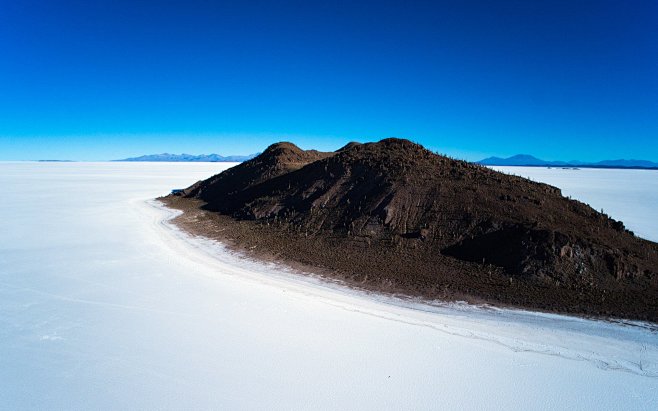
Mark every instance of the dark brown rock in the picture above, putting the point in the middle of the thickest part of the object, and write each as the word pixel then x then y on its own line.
pixel 395 213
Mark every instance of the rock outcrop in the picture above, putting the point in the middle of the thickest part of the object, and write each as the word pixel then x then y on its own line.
pixel 395 213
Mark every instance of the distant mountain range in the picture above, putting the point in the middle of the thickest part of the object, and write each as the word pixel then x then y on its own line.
pixel 55 161
pixel 531 161
pixel 211 158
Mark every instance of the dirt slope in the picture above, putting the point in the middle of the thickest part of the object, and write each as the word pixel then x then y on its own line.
pixel 392 215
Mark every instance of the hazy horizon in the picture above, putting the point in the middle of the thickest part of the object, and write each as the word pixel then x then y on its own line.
pixel 453 153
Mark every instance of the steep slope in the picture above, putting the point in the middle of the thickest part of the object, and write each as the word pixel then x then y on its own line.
pixel 394 213
pixel 232 185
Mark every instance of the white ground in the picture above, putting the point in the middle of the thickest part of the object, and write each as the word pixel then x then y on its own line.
pixel 105 305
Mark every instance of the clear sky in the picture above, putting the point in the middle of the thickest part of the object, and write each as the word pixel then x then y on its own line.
pixel 97 80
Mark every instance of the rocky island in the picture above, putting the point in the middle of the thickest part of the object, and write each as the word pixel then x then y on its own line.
pixel 393 217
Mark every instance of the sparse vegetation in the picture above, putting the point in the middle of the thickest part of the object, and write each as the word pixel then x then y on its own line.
pixel 393 212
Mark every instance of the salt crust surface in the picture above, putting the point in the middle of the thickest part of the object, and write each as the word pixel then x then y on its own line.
pixel 104 304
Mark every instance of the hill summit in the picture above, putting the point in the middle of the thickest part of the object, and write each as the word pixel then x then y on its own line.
pixel 395 217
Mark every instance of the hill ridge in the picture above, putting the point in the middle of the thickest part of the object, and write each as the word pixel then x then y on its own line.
pixel 394 212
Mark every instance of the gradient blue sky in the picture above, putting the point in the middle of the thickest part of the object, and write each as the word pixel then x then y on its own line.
pixel 96 80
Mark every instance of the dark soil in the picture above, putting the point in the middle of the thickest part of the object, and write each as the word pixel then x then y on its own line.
pixel 394 217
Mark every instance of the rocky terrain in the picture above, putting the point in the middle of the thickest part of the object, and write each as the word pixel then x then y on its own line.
pixel 394 217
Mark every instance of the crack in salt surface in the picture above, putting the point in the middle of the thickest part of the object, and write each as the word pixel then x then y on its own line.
pixel 90 302
pixel 630 338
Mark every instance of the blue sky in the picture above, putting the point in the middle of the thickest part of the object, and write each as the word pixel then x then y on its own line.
pixel 102 80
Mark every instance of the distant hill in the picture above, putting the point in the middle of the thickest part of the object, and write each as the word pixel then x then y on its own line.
pixel 528 160
pixel 518 160
pixel 55 161
pixel 211 158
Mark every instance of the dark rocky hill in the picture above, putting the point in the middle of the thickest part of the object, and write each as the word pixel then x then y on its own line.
pixel 396 217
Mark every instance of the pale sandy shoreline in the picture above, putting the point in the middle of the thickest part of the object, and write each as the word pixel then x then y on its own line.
pixel 212 226
pixel 575 338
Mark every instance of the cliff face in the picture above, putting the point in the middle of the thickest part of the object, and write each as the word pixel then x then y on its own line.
pixel 472 225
